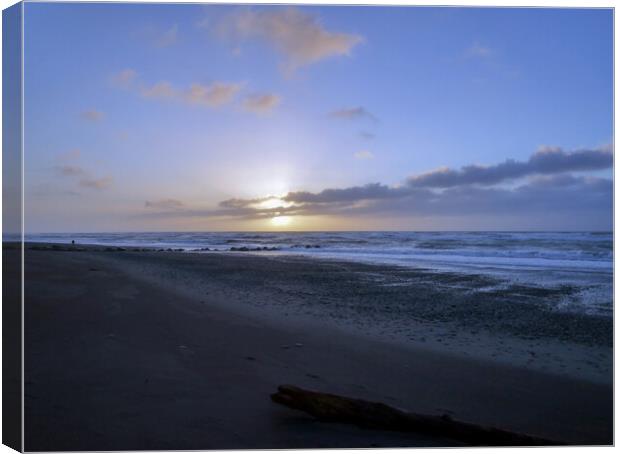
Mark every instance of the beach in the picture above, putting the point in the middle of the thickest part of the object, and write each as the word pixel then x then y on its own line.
pixel 139 349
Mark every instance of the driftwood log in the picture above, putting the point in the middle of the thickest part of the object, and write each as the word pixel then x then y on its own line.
pixel 376 415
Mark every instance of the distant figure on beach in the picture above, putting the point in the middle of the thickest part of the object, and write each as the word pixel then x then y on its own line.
pixel 72 241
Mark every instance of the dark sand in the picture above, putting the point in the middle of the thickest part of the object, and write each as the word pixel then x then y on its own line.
pixel 144 350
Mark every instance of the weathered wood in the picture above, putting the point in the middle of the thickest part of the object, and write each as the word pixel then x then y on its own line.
pixel 376 415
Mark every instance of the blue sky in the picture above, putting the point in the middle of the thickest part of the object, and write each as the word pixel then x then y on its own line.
pixel 155 117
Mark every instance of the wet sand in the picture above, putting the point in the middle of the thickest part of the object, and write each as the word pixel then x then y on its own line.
pixel 146 350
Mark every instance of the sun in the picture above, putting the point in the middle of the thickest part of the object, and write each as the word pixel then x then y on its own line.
pixel 281 221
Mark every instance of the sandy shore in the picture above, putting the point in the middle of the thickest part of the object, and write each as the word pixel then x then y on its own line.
pixel 145 350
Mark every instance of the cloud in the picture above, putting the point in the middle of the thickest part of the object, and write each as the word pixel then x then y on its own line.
pixel 554 159
pixel 261 103
pixel 124 78
pixel 370 191
pixel 214 95
pixel 243 203
pixel 466 192
pixel 477 50
pixel 555 181
pixel 96 183
pixel 169 37
pixel 367 135
pixel 364 154
pixel 298 36
pixel 556 203
pixel 353 113
pixel 159 90
pixel 165 204
pixel 549 196
pixel 581 195
pixel 71 170
pixel 547 160
pixel 92 115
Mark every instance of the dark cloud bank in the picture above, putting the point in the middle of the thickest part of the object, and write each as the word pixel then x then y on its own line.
pixel 544 186
pixel 544 162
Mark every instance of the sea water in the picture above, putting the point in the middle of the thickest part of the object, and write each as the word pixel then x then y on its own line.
pixel 581 259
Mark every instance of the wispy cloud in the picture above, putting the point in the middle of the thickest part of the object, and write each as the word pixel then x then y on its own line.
pixel 353 113
pixel 478 50
pixel 205 22
pixel 71 170
pixel 124 78
pixel 96 183
pixel 214 95
pixel 367 135
pixel 159 90
pixel 92 115
pixel 364 154
pixel 261 103
pixel 169 37
pixel 296 35
pixel 74 171
pixel 164 204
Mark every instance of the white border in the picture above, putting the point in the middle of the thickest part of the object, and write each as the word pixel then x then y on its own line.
pixel 477 3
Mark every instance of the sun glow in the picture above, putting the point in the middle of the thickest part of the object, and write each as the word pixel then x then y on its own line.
pixel 273 202
pixel 281 221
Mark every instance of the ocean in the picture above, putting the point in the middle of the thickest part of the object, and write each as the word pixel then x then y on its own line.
pixel 540 259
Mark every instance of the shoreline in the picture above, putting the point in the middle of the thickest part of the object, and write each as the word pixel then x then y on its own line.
pixel 480 326
pixel 211 296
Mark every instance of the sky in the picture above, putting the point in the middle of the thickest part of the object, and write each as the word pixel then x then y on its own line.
pixel 186 117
